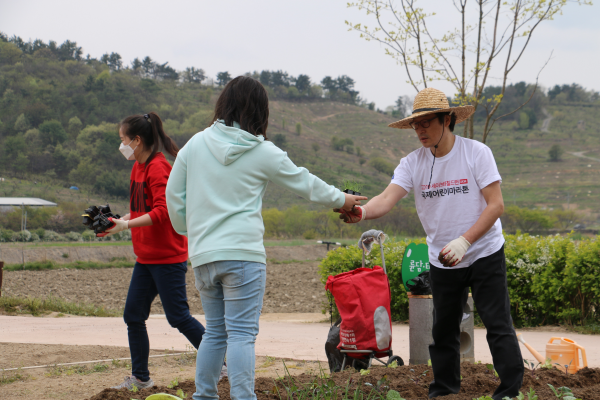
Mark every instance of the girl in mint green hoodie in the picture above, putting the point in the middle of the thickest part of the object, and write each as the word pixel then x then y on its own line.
pixel 214 197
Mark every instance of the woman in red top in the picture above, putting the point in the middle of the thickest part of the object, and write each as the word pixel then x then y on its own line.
pixel 161 253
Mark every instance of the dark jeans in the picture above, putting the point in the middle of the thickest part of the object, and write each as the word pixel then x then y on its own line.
pixel 487 279
pixel 148 280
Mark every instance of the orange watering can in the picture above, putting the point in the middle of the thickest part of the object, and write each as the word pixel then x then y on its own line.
pixel 565 351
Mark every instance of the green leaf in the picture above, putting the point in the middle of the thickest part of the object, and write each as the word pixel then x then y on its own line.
pixel 393 395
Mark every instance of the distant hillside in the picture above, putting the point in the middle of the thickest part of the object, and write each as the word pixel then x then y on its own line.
pixel 58 118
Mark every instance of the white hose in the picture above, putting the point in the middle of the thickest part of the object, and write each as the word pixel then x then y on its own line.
pixel 90 362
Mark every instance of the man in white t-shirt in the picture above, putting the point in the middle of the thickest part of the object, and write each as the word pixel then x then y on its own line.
pixel 459 202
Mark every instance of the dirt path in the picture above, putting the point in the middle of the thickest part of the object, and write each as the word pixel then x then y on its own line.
pixel 580 154
pixel 292 283
pixel 546 122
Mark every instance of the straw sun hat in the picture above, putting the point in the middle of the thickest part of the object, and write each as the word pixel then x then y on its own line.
pixel 432 101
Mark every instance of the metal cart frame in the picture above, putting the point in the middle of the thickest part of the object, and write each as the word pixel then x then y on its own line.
pixel 370 354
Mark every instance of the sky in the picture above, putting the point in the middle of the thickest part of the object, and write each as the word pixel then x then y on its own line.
pixel 298 36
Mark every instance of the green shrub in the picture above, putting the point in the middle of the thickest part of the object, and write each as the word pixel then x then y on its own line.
pixel 74 237
pixel 551 279
pixel 51 236
pixel 6 235
pixel 382 165
pixel 23 236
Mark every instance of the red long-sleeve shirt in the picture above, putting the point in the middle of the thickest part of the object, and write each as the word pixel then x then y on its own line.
pixel 158 243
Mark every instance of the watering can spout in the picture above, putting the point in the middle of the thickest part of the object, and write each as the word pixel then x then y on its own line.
pixel 537 355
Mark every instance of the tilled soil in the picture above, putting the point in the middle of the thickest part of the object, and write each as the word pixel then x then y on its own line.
pixel 80 381
pixel 293 285
pixel 410 381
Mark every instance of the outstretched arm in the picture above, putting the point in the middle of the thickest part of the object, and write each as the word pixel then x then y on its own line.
pixel 377 207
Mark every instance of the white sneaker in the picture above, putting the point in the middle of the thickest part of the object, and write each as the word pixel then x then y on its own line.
pixel 131 381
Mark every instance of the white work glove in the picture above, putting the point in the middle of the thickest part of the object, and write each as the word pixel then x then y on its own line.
pixel 365 243
pixel 454 252
pixel 120 226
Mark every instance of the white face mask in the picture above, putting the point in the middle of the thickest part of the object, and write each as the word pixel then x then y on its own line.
pixel 127 151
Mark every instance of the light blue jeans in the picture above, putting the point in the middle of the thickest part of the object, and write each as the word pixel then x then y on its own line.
pixel 232 297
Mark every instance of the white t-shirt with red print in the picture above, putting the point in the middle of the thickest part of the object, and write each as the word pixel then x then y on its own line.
pixel 453 202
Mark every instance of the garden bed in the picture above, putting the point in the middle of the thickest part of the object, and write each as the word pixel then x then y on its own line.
pixel 411 382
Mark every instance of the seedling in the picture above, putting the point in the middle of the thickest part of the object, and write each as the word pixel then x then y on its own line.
pixel 393 395
pixel 174 383
pixel 351 187
pixel 565 366
pixel 532 367
pixel 134 389
pixel 381 384
pixel 365 372
pixel 419 377
pixel 492 370
pixel 181 394
pixel 530 396
pixel 547 364
pixel 563 393
pixel 393 364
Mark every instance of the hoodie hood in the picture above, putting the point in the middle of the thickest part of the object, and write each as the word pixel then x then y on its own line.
pixel 228 143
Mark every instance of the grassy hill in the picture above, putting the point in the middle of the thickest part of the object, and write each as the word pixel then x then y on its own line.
pixel 529 178
pixel 58 128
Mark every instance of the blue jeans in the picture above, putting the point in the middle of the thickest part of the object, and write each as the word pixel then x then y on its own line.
pixel 232 297
pixel 148 280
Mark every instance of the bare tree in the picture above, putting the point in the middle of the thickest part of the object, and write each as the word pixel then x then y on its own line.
pixel 492 32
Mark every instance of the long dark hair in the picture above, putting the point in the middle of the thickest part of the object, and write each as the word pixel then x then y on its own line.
pixel 150 129
pixel 244 100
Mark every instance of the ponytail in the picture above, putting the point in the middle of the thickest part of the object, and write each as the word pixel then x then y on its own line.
pixel 149 128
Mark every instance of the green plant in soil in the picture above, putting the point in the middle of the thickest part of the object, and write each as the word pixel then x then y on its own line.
pixel 120 364
pixel 532 367
pixel 530 395
pixel 324 387
pixel 418 379
pixel 69 370
pixel 565 366
pixel 45 265
pixel 36 306
pixel 174 383
pixel 563 393
pixel 181 393
pixel 7 377
pixel 189 357
pixel 492 370
pixel 350 184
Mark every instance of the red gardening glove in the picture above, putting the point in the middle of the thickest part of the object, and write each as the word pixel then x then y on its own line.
pixel 353 216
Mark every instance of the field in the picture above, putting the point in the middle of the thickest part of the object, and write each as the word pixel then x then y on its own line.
pixel 292 283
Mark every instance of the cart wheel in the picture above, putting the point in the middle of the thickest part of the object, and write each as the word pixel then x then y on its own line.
pixel 398 359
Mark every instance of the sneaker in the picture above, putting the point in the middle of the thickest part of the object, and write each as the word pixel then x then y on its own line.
pixel 223 372
pixel 131 381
